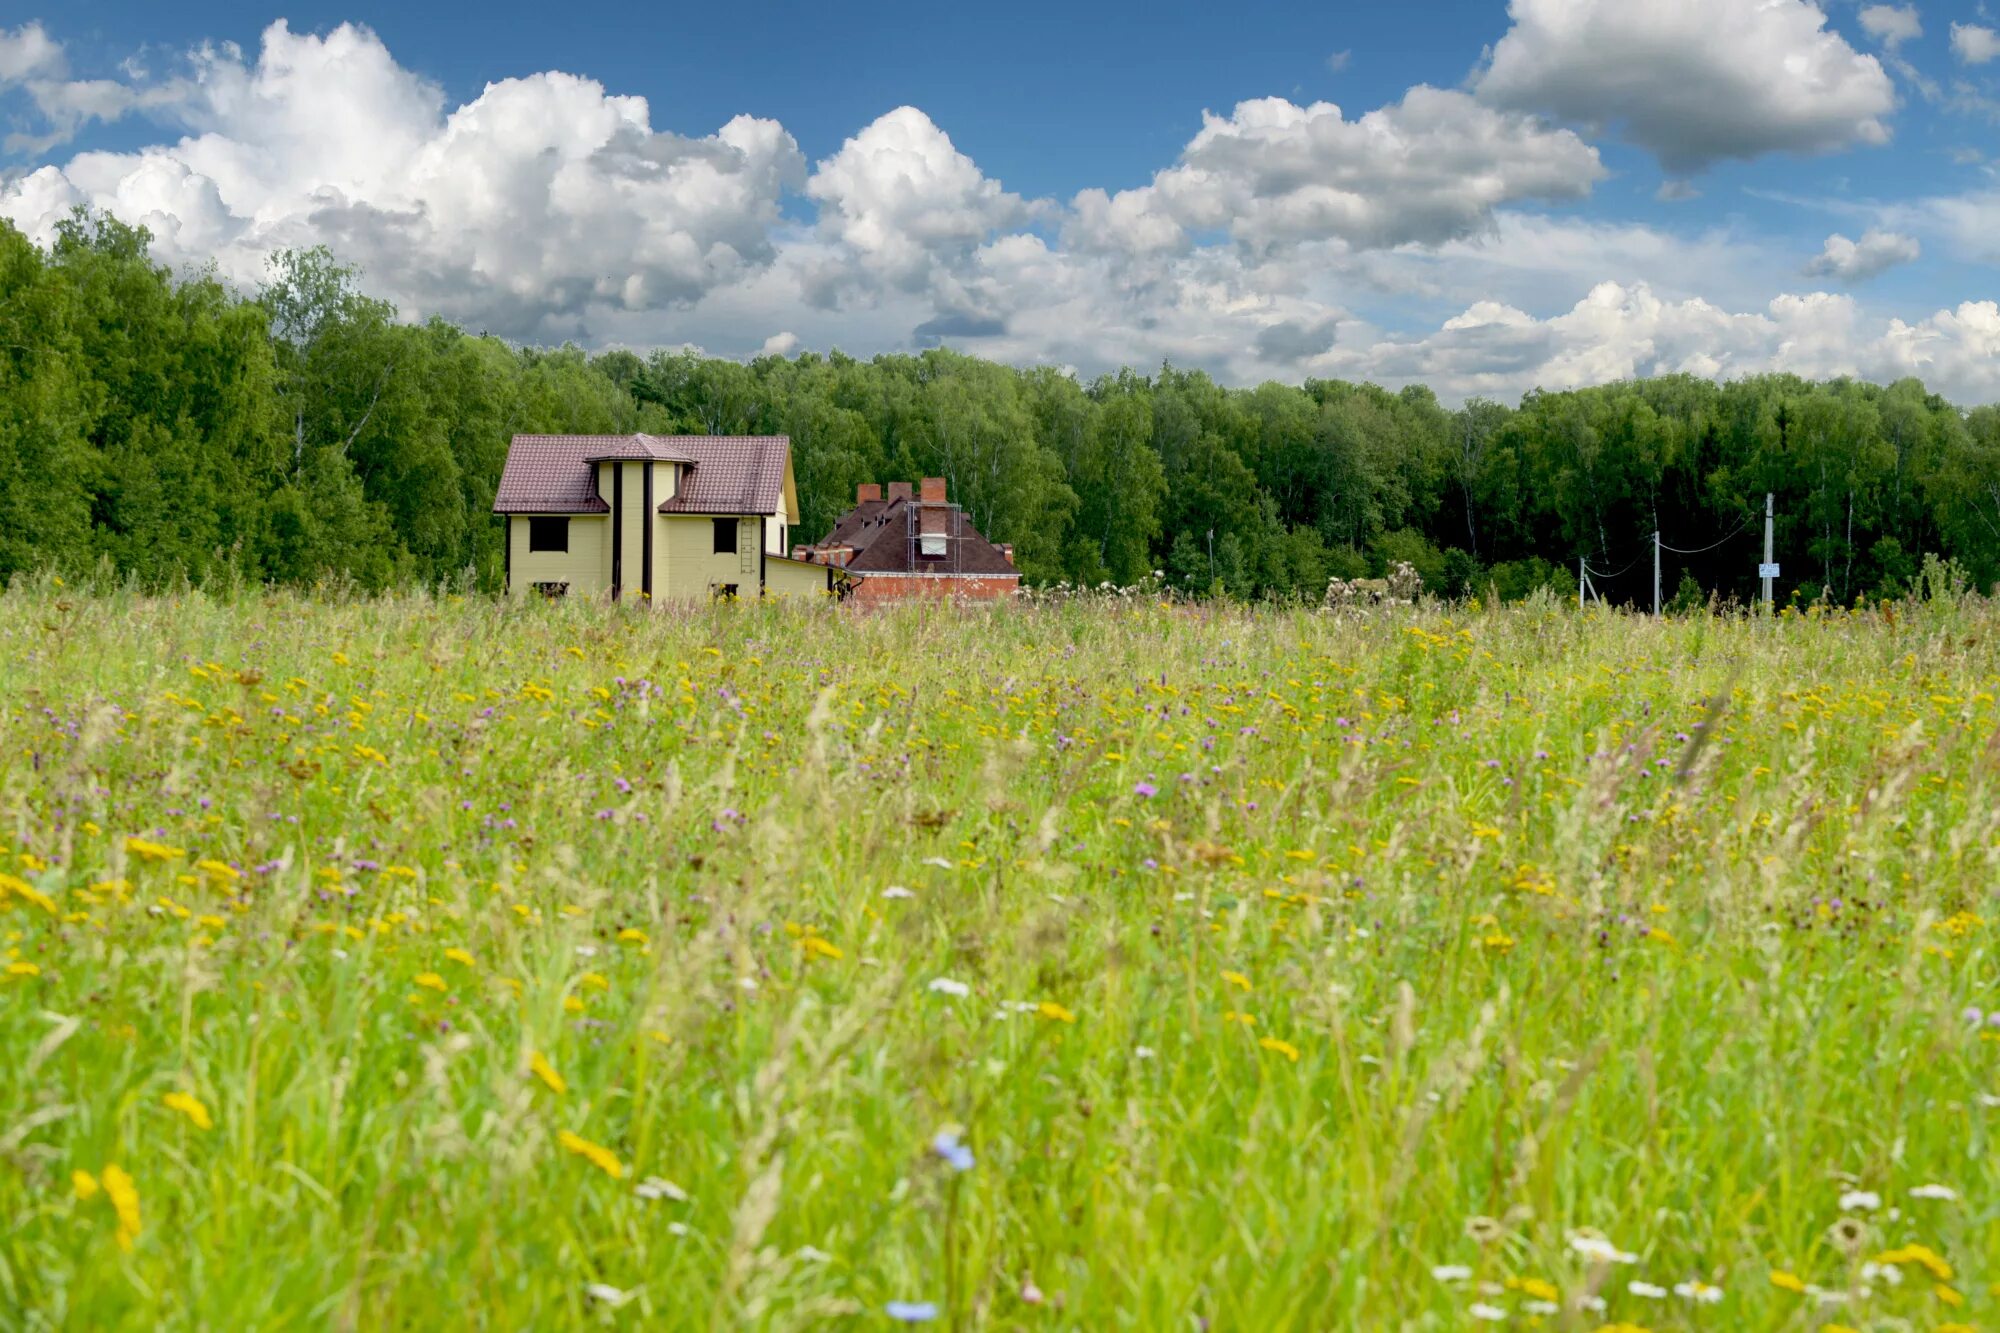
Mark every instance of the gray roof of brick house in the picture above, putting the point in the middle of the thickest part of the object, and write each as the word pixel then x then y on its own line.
pixel 727 474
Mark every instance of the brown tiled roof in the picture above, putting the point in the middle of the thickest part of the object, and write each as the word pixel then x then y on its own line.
pixel 883 532
pixel 731 474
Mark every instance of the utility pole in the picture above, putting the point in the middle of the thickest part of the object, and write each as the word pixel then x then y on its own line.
pixel 1656 571
pixel 1770 567
pixel 1579 583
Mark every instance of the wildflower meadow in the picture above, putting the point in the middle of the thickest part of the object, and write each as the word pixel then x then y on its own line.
pixel 431 962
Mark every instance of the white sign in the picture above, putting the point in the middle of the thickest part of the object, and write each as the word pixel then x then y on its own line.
pixel 1767 571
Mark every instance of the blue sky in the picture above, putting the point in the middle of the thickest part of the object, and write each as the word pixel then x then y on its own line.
pixel 1485 196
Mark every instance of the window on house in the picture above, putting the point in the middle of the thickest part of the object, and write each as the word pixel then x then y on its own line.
pixel 931 544
pixel 548 534
pixel 725 592
pixel 725 536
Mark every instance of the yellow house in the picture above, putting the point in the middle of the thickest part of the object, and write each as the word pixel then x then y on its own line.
pixel 655 517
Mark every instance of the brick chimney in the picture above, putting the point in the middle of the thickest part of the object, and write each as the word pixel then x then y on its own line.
pixel 1007 549
pixel 933 490
pixel 900 490
pixel 863 494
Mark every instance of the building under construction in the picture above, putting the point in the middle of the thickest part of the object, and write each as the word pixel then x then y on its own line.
pixel 913 543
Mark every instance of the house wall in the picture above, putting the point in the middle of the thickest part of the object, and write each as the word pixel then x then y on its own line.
pixel 586 566
pixel 879 587
pixel 776 528
pixel 785 577
pixel 690 567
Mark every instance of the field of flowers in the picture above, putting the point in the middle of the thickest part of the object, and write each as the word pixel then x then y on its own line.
pixel 435 964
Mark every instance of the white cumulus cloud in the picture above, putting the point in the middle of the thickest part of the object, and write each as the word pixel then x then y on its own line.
pixel 519 211
pixel 901 199
pixel 1974 44
pixel 1856 261
pixel 1891 25
pixel 1694 81
pixel 1425 170
pixel 29 52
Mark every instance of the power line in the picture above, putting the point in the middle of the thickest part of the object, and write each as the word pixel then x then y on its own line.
pixel 1699 550
pixel 1601 574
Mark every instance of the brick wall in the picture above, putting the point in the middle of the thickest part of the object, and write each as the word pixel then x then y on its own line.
pixel 876 588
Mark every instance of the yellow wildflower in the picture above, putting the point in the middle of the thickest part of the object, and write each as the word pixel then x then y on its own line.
pixel 630 935
pixel 190 1107
pixel 813 944
pixel 1923 1255
pixel 124 1196
pixel 17 887
pixel 598 1156
pixel 1284 1048
pixel 430 981
pixel 221 870
pixel 1949 1297
pixel 152 851
pixel 1051 1010
pixel 459 956
pixel 84 1184
pixel 1237 979
pixel 23 970
pixel 1787 1281
pixel 1536 1288
pixel 539 1066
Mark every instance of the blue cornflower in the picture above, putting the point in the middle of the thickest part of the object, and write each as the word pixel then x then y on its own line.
pixel 948 1146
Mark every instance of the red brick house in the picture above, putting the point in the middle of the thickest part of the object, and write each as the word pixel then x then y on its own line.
pixel 914 543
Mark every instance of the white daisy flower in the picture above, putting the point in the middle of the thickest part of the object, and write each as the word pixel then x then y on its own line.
pixel 897 891
pixel 1647 1290
pixel 654 1187
pixel 1860 1201
pixel 1492 1314
pixel 946 986
pixel 1699 1292
pixel 1934 1192
pixel 1451 1272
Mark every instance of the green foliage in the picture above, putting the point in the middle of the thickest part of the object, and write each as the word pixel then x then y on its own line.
pixel 177 429
pixel 1688 597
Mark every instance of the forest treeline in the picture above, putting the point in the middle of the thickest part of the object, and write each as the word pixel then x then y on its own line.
pixel 175 428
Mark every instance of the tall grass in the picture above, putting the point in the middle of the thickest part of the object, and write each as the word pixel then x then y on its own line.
pixel 1588 955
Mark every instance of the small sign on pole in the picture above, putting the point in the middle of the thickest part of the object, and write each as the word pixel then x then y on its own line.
pixel 1767 571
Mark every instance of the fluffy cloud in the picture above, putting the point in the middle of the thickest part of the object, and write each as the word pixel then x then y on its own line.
pixel 1973 44
pixel 35 62
pixel 1428 169
pixel 1891 25
pixel 1856 261
pixel 1694 81
pixel 901 200
pixel 1619 331
pixel 28 52
pixel 519 211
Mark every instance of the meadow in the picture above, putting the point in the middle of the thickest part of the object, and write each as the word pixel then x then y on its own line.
pixel 420 962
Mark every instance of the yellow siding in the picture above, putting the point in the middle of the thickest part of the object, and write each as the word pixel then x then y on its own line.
pixel 586 566
pixel 691 569
pixel 794 578
pixel 774 529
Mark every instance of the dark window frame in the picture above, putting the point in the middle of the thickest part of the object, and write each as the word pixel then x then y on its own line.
pixel 539 529
pixel 552 590
pixel 725 526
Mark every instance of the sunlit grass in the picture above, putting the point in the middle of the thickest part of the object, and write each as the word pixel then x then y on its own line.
pixel 432 963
